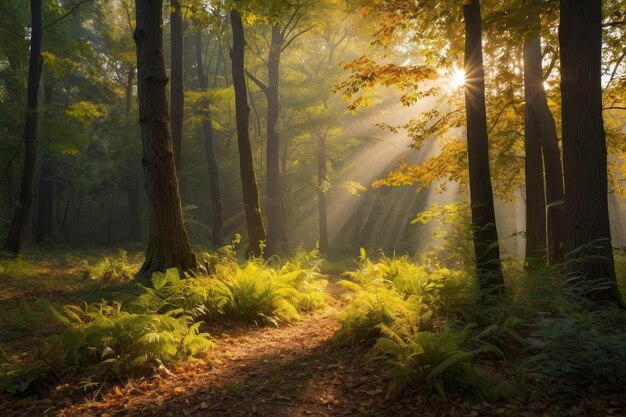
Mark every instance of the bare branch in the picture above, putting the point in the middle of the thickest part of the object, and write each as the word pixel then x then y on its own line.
pixel 258 82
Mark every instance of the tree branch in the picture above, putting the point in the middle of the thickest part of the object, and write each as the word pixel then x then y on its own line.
pixel 74 7
pixel 258 82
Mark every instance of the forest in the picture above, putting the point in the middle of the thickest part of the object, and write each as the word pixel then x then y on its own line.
pixel 312 207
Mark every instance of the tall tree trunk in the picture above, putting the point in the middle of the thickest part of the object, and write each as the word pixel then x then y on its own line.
pixel 485 232
pixel 177 92
pixel 322 180
pixel 254 222
pixel 15 238
pixel 217 224
pixel 277 240
pixel 541 124
pixel 45 191
pixel 110 218
pixel 533 167
pixel 589 254
pixel 168 245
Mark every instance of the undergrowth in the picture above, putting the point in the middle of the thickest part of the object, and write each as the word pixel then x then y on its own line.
pixel 162 323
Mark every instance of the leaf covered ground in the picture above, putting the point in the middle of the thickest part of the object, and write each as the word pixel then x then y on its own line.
pixel 293 369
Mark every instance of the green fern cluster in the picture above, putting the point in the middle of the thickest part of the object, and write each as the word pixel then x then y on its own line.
pixel 396 290
pixel 406 306
pixel 252 292
pixel 441 361
pixel 576 352
pixel 113 269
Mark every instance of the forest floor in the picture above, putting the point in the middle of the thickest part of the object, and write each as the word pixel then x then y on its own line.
pixel 291 370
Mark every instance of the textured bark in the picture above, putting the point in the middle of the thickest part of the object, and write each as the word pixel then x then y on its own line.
pixel 168 245
pixel 485 232
pixel 177 92
pixel 321 193
pixel 217 224
pixel 17 228
pixel 277 239
pixel 540 127
pixel 254 222
pixel 589 254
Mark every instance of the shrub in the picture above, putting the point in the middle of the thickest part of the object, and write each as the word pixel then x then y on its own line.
pixel 576 352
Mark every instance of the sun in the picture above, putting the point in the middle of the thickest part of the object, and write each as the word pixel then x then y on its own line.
pixel 458 78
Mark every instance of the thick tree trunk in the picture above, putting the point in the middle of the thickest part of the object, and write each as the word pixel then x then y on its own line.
pixel 321 193
pixel 533 167
pixel 15 238
pixel 589 254
pixel 277 239
pixel 485 232
pixel 254 221
pixel 540 125
pixel 168 245
pixel 177 92
pixel 217 224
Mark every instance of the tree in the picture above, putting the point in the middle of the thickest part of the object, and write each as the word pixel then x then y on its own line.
pixel 542 150
pixel 485 232
pixel 168 245
pixel 177 91
pixel 15 238
pixel 217 223
pixel 589 254
pixel 254 222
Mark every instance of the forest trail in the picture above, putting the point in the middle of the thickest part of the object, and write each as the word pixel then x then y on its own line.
pixel 291 370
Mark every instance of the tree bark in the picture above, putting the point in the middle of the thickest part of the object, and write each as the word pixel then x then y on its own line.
pixel 177 92
pixel 540 124
pixel 17 228
pixel 321 192
pixel 533 167
pixel 485 232
pixel 589 255
pixel 277 239
pixel 217 224
pixel 254 222
pixel 168 245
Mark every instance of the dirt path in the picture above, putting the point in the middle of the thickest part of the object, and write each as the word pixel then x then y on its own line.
pixel 293 370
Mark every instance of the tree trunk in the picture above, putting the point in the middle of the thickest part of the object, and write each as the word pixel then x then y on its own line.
pixel 533 167
pixel 168 245
pixel 589 254
pixel 277 240
pixel 15 238
pixel 177 92
pixel 321 193
pixel 217 224
pixel 254 222
pixel 540 122
pixel 485 232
